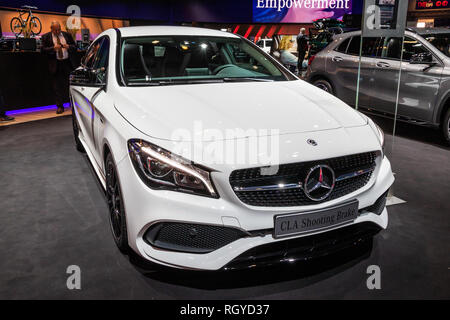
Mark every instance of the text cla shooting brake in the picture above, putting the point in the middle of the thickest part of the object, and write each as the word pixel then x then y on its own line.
pixel 137 86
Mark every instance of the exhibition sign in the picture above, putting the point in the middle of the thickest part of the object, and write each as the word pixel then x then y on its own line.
pixel 432 4
pixel 299 11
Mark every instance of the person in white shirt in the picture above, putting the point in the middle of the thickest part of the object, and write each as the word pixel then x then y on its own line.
pixel 58 45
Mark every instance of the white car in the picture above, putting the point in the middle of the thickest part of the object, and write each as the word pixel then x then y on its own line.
pixel 141 92
pixel 265 44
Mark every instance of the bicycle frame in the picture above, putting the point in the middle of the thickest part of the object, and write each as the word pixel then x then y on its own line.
pixel 22 13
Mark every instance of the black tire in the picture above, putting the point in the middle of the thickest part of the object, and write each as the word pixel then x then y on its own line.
pixel 117 216
pixel 446 126
pixel 15 22
pixel 76 132
pixel 324 85
pixel 35 26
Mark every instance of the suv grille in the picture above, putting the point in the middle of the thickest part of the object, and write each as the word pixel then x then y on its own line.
pixel 352 173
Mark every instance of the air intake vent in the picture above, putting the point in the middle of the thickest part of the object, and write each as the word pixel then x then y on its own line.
pixel 193 238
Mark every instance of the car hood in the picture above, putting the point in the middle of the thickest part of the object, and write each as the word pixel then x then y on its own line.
pixel 206 111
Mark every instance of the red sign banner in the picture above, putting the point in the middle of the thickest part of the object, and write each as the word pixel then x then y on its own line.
pixel 432 4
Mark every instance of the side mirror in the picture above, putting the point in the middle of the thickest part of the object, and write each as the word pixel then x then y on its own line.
pixel 422 58
pixel 99 76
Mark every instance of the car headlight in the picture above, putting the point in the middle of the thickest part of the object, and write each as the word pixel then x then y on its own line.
pixel 380 136
pixel 161 169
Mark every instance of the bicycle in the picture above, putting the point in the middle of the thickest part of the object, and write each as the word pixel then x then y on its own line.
pixel 18 24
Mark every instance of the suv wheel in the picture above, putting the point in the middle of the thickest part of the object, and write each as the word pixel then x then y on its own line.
pixel 324 85
pixel 446 126
pixel 116 208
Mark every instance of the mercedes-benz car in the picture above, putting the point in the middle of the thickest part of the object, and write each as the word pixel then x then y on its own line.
pixel 146 96
pixel 424 96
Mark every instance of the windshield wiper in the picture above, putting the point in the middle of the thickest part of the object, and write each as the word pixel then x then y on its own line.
pixel 174 82
pixel 237 79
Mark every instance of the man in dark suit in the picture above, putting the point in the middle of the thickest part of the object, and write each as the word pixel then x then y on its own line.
pixel 3 116
pixel 59 46
pixel 302 47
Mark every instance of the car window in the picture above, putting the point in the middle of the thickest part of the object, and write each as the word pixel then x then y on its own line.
pixel 101 61
pixel 440 41
pixel 411 47
pixel 343 46
pixel 370 46
pixel 147 59
pixel 392 48
pixel 354 46
pixel 89 58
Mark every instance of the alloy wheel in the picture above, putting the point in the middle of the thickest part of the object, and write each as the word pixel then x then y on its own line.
pixel 322 86
pixel 448 128
pixel 114 201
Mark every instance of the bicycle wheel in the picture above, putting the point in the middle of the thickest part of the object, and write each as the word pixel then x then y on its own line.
pixel 16 26
pixel 35 26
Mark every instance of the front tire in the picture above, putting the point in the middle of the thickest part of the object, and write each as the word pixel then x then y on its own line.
pixel 446 126
pixel 324 85
pixel 116 206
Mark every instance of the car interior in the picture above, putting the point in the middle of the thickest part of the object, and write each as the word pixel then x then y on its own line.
pixel 170 58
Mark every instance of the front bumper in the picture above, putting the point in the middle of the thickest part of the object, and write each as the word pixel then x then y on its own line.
pixel 145 207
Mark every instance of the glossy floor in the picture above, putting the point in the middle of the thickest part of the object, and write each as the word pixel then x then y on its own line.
pixel 53 215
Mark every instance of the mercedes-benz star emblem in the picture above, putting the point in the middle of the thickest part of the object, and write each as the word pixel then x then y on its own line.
pixel 319 182
pixel 312 142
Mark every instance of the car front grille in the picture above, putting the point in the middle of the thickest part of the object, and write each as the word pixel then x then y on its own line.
pixel 252 187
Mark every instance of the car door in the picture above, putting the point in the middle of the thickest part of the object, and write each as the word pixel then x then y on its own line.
pixel 342 67
pixel 419 82
pixel 87 83
pixel 385 77
pixel 100 99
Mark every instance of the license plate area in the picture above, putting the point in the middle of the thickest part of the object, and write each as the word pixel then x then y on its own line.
pixel 306 222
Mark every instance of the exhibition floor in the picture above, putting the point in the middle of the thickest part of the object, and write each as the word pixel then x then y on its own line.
pixel 53 215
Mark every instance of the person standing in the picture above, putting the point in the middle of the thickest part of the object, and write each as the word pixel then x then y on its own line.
pixel 59 46
pixel 302 47
pixel 3 116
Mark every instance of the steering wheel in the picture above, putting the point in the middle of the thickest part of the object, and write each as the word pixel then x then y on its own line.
pixel 220 68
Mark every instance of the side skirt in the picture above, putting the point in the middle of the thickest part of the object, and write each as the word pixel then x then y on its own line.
pixel 101 177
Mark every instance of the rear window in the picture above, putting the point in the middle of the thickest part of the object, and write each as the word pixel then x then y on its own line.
pixel 343 46
pixel 371 46
pixel 353 48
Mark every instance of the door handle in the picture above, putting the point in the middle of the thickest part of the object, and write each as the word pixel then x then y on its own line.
pixel 82 88
pixel 337 59
pixel 383 65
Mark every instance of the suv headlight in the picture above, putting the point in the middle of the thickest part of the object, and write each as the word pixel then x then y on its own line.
pixel 161 169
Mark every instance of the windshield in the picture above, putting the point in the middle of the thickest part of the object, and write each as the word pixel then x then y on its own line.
pixel 440 41
pixel 187 59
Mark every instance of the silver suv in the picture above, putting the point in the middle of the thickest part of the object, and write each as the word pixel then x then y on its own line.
pixel 425 81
